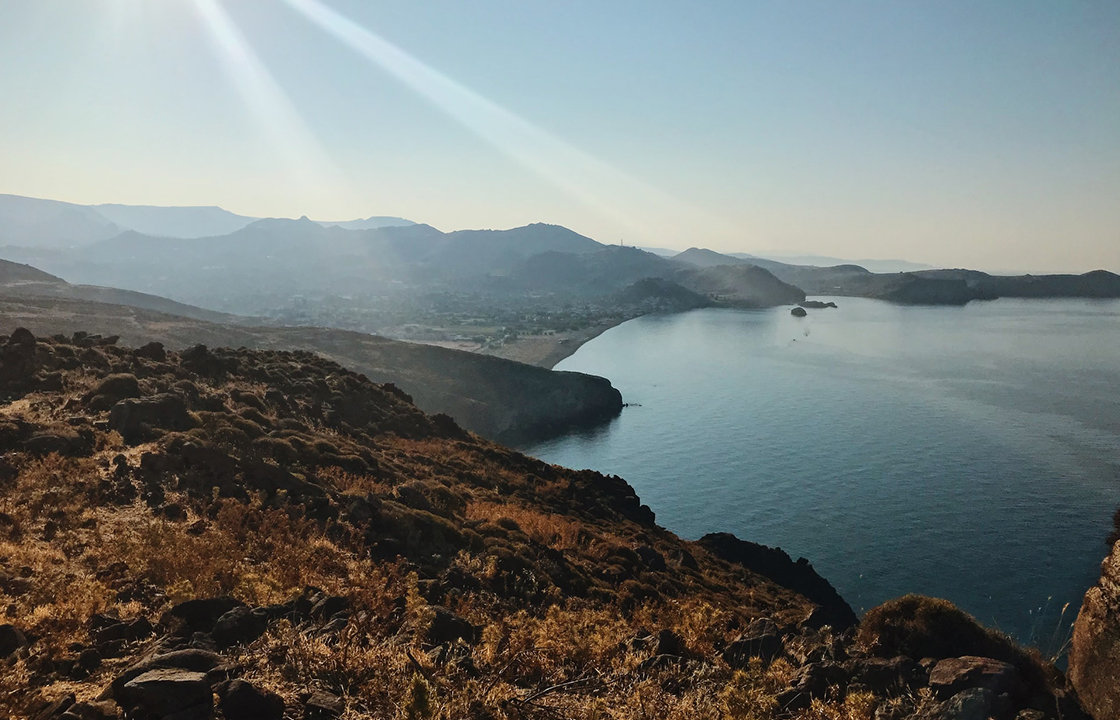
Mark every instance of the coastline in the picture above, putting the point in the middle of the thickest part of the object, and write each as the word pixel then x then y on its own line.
pixel 547 351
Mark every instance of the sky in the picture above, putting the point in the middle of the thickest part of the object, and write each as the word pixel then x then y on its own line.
pixel 962 134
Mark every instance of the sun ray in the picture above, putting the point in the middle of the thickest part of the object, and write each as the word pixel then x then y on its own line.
pixel 306 162
pixel 634 205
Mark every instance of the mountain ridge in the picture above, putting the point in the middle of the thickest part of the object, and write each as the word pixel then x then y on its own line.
pixel 37 222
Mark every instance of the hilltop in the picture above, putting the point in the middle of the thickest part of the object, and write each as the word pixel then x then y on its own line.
pixel 278 532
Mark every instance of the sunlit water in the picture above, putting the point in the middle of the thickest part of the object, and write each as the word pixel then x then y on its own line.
pixel 969 453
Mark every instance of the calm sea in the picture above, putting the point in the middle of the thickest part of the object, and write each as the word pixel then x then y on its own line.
pixel 969 453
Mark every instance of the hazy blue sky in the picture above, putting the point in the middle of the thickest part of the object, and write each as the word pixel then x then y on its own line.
pixel 958 133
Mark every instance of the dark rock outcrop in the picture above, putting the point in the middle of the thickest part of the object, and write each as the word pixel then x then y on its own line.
pixel 239 626
pixel 447 627
pixel 798 312
pixel 973 704
pixel 778 566
pixel 323 706
pixel 761 640
pixel 11 640
pixel 189 659
pixel 168 692
pixel 136 419
pixel 199 615
pixel 239 700
pixel 953 675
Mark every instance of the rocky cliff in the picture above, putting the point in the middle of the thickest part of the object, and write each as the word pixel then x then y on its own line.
pixel 1094 658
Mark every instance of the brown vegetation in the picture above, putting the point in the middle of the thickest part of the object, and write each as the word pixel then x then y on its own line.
pixel 359 550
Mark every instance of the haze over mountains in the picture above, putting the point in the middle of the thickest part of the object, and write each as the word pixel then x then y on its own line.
pixel 34 222
pixel 300 284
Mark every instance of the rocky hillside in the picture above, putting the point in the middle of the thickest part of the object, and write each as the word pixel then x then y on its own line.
pixel 741 286
pixel 256 534
pixel 500 399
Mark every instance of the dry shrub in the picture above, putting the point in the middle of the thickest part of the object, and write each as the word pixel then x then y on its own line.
pixel 555 531
pixel 920 627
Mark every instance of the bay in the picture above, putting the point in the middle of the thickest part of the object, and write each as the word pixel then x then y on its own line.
pixel 971 453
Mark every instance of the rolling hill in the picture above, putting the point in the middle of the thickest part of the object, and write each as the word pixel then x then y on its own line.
pixel 497 398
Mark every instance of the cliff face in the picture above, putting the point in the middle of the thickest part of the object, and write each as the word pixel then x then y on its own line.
pixel 1094 658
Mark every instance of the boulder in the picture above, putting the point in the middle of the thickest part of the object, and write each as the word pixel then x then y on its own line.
pixel 239 626
pixel 816 681
pixel 329 606
pixel 798 312
pixel 168 692
pixel 886 677
pixel 447 627
pixel 190 659
pixel 47 710
pixel 63 443
pixel 112 390
pixel 239 700
pixel 21 337
pixel 11 640
pixel 129 631
pixel 90 711
pixel 17 358
pixel 973 704
pixel 669 643
pixel 198 615
pixel 322 706
pixel 1094 656
pixel 136 419
pixel 761 639
pixel 954 675
pixel 651 558
pixel 151 351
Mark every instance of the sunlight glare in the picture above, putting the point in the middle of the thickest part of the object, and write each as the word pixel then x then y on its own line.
pixel 638 208
pixel 307 163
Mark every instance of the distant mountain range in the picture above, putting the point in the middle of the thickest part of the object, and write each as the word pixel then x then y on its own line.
pixel 271 261
pixel 266 263
pixel 32 222
pixel 877 266
pixel 921 287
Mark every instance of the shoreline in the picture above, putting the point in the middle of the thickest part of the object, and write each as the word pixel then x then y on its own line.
pixel 547 351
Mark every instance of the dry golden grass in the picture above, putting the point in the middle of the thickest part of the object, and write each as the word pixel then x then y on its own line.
pixel 342 486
